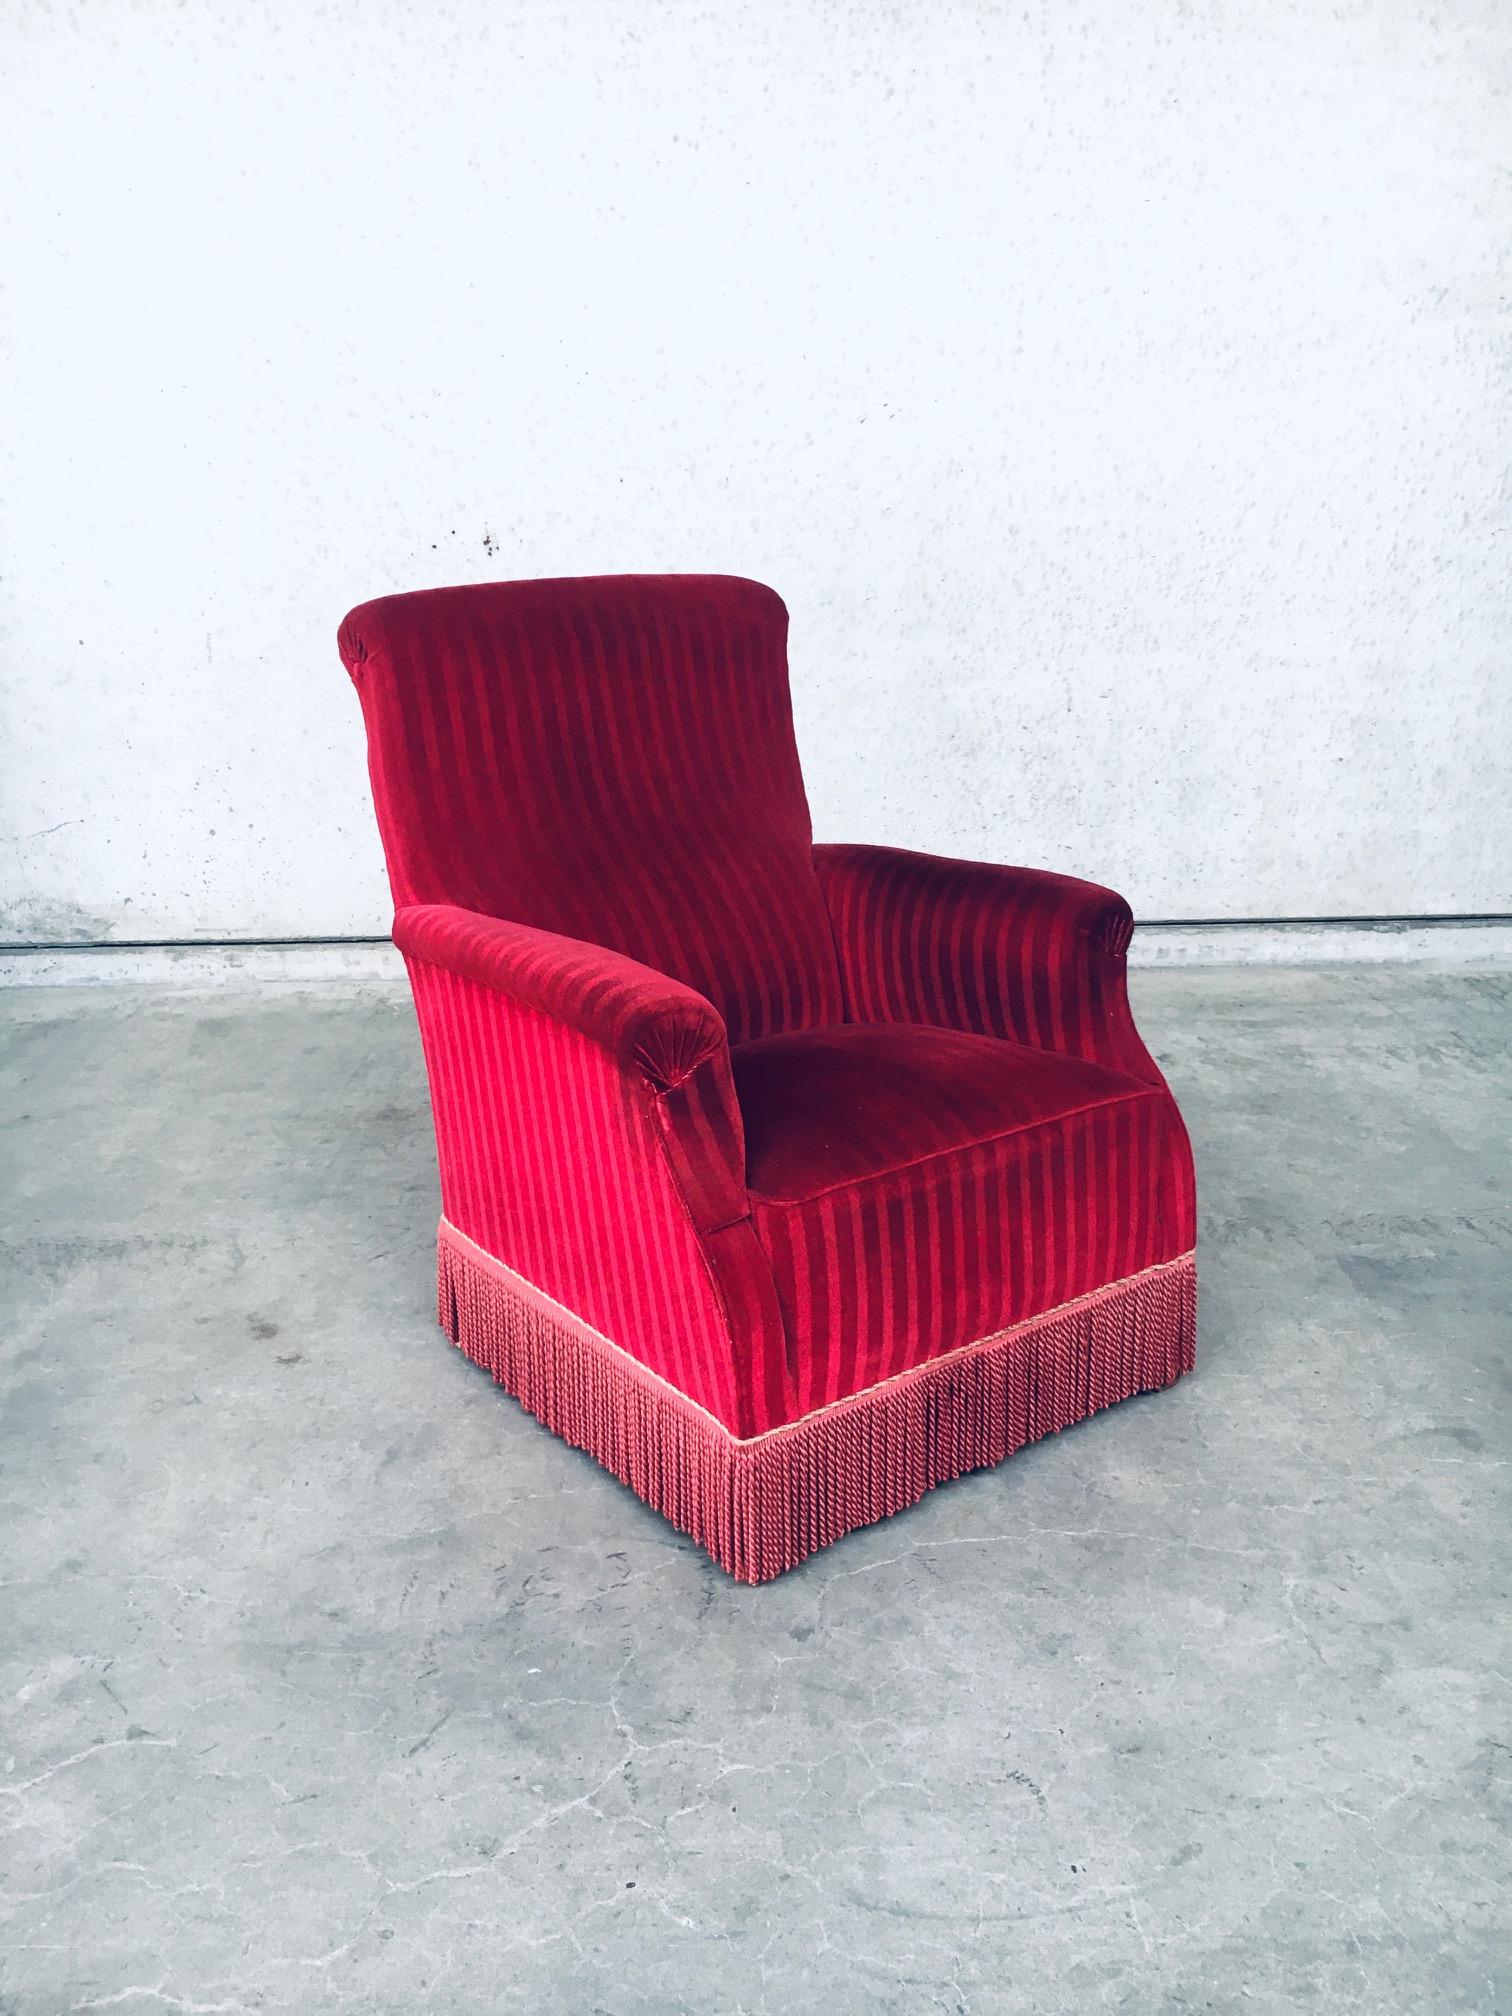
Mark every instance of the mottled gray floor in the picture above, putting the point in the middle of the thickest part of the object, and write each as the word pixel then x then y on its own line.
pixel 329 1681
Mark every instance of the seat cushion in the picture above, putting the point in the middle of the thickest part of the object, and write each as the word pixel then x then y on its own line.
pixel 918 1188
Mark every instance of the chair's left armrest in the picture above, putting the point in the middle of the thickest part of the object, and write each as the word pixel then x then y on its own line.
pixel 1013 952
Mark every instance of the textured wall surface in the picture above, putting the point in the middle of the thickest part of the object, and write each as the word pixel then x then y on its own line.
pixel 1119 393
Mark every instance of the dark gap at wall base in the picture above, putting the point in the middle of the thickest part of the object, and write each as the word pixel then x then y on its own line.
pixel 1392 923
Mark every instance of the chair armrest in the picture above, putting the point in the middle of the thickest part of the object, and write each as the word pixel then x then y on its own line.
pixel 650 1024
pixel 1013 952
pixel 589 1136
pixel 660 1036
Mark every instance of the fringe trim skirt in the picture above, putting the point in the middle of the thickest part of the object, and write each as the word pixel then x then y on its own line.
pixel 760 1506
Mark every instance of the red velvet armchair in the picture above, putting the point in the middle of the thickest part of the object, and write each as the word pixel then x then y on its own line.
pixel 787 1181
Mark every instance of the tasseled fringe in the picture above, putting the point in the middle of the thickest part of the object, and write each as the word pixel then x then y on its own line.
pixel 762 1506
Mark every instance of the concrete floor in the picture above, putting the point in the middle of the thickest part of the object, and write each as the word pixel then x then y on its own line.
pixel 330 1681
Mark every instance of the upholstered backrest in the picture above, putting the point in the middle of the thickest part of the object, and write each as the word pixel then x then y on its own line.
pixel 612 758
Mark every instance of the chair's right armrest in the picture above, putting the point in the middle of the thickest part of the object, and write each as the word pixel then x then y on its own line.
pixel 650 1024
pixel 589 1136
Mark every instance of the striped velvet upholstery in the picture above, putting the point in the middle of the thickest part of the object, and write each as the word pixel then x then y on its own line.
pixel 587 1132
pixel 917 1189
pixel 610 759
pixel 1010 952
pixel 771 1125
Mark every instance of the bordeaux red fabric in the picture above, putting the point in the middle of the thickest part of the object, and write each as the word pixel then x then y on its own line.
pixel 973 1185
pixel 1013 952
pixel 760 1506
pixel 1017 953
pixel 829 1107
pixel 647 1022
pixel 779 1121
pixel 602 1190
pixel 612 759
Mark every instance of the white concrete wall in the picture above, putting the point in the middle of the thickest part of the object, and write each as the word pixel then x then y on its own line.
pixel 1118 391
